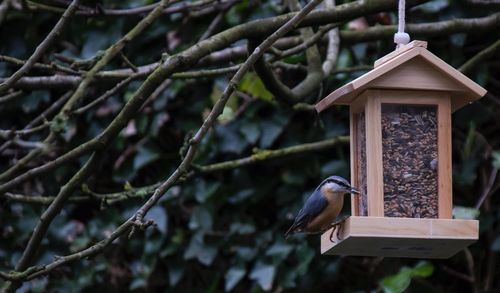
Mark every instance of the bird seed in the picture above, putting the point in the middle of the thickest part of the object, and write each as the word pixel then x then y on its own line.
pixel 409 151
pixel 361 155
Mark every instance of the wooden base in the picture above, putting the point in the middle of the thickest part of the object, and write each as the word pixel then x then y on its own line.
pixel 401 237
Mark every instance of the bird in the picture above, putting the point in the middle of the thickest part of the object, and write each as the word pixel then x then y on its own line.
pixel 322 207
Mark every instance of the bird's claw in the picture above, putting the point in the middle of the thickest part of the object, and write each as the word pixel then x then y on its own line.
pixel 337 226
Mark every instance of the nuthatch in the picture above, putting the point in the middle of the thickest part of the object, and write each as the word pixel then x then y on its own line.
pixel 322 207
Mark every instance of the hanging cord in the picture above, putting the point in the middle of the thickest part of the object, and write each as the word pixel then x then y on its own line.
pixel 401 38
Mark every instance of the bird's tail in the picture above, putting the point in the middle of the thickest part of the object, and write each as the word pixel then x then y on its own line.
pixel 290 231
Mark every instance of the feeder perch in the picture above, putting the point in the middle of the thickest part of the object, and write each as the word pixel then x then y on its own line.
pixel 400 125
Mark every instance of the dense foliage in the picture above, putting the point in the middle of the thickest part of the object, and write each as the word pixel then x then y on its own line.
pixel 221 228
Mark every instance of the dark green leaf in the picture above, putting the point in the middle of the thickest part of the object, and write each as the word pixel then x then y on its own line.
pixel 264 275
pixel 280 250
pixel 467 213
pixel 271 129
pixel 495 246
pixel 242 228
pixel 200 219
pixel 246 253
pixel 144 156
pixel 205 190
pixel 250 131
pixel 175 274
pixel 159 216
pixel 204 253
pixel 305 254
pixel 496 159
pixel 233 277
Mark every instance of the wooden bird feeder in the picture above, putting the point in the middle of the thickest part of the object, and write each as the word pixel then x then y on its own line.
pixel 400 125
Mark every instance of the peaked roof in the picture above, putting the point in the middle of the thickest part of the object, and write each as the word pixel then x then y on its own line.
pixel 409 67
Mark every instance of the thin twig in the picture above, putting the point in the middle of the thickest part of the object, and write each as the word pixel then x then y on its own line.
pixel 487 191
pixel 117 88
pixel 128 62
pixel 52 67
pixel 457 274
pixel 485 54
pixel 213 25
pixel 10 96
pixel 470 266
pixel 254 29
pixel 5 134
pixel 182 168
pixel 40 50
pixel 4 7
pixel 99 11
pixel 265 155
pixel 40 118
pixel 28 144
pixel 311 41
pixel 98 142
pixel 54 208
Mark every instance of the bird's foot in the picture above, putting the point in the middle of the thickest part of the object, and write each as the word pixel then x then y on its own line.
pixel 339 227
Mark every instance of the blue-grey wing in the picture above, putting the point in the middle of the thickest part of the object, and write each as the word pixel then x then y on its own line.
pixel 314 205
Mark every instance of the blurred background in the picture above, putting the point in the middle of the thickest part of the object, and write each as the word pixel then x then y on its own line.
pixel 222 228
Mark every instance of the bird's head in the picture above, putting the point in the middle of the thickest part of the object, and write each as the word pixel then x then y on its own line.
pixel 337 184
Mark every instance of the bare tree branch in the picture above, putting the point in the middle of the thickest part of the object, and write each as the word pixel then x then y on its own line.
pixel 86 170
pixel 177 63
pixel 485 54
pixel 40 50
pixel 137 218
pixel 10 96
pixel 100 11
pixel 433 29
pixel 260 156
pixel 332 51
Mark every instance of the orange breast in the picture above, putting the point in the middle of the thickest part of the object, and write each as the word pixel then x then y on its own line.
pixel 328 215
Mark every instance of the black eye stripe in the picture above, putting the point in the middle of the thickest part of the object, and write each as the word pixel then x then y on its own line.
pixel 336 182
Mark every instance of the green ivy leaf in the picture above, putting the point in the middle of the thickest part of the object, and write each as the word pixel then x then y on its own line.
pixel 279 250
pixel 241 228
pixel 496 159
pixel 423 269
pixel 246 253
pixel 31 102
pixel 251 132
pixel 204 253
pixel 252 85
pixel 207 255
pixel 306 255
pixel 200 219
pixel 159 216
pixel 495 246
pixel 271 129
pixel 205 190
pixel 460 212
pixel 263 274
pixel 145 155
pixel 175 274
pixel 233 277
pixel 399 282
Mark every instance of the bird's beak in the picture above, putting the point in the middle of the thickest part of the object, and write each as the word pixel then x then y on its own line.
pixel 354 190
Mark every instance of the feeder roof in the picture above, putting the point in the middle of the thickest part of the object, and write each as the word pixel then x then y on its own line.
pixel 410 67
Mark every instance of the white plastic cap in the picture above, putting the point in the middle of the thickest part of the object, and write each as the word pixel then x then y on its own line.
pixel 401 38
